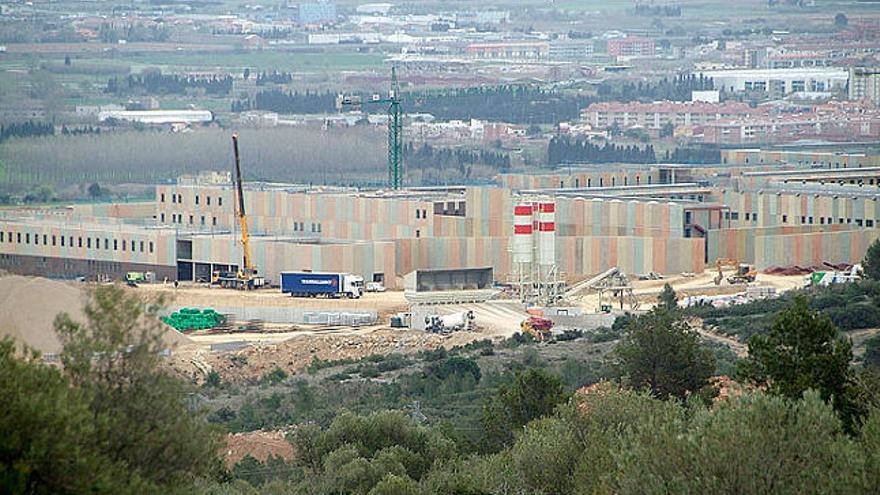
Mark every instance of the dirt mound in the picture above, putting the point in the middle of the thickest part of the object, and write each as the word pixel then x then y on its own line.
pixel 261 445
pixel 296 354
pixel 29 305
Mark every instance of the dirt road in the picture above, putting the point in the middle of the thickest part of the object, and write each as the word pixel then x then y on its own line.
pixel 200 296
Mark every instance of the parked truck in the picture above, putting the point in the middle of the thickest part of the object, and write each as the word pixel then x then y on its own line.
pixel 321 284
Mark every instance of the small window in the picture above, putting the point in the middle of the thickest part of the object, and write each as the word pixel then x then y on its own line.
pixel 36 239
pixel 123 244
pixel 190 219
pixel 151 246
pixel 747 216
pixel 869 223
pixel 208 200
pixel 142 246
pixel 10 236
pixel 219 201
pixel 203 219
pixel 418 233
pixel 811 220
pixel 784 218
pixel 115 245
pixel 45 239
pixel 197 199
pixel 54 240
pixel 173 197
pixel 162 218
pixel 2 236
pixel 214 221
pixel 27 238
pixel 62 241
pixel 79 242
pixel 803 219
pixel 89 242
pixel 106 243
pixel 821 220
pixel 71 241
pixel 162 198
pixel 424 213
pixel 418 214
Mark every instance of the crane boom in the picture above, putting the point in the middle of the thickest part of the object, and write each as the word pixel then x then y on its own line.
pixel 246 268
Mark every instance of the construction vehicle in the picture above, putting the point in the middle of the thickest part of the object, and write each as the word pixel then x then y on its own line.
pixel 446 324
pixel 539 327
pixel 246 278
pixel 742 273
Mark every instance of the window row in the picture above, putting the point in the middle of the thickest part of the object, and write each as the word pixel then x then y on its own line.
pixel 68 241
pixel 178 199
pixel 301 227
pixel 804 219
pixel 178 218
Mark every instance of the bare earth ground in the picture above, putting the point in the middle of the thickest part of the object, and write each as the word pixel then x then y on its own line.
pixel 200 296
pixel 293 347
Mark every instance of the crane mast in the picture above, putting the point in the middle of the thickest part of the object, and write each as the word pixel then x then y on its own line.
pixel 246 267
pixel 395 127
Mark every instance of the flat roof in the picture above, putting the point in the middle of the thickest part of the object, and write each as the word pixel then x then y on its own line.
pixel 787 72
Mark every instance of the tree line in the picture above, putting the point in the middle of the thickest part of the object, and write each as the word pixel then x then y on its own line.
pixel 430 156
pixel 280 101
pixel 274 77
pixel 650 10
pixel 26 129
pixel 112 33
pixel 154 82
pixel 678 88
pixel 510 103
pixel 519 104
pixel 563 149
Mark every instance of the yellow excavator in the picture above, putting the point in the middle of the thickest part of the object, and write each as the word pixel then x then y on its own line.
pixel 246 278
pixel 743 273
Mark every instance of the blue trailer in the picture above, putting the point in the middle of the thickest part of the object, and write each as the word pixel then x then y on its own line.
pixel 321 284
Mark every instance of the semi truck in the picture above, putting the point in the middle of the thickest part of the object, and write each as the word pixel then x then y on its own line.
pixel 322 284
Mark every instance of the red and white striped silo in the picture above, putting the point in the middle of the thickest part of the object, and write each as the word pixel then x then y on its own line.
pixel 546 233
pixel 522 233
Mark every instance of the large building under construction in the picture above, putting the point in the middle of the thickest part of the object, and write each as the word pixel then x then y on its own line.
pixel 765 208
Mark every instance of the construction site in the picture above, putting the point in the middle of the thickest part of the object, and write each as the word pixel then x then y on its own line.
pixel 412 268
pixel 289 273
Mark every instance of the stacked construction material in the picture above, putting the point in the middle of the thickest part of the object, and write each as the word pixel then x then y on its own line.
pixel 194 319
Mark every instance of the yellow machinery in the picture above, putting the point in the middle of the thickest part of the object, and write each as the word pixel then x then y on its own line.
pixel 743 273
pixel 246 277
pixel 538 327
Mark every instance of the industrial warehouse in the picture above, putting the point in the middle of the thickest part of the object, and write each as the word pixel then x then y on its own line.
pixel 766 208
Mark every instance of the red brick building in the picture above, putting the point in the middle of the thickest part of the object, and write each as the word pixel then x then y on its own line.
pixel 631 46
